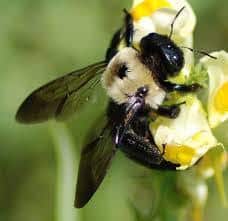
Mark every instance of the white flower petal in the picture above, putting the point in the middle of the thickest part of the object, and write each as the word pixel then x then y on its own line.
pixel 142 28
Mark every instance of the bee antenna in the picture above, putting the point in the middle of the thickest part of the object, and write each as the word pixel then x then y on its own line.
pixel 173 22
pixel 199 52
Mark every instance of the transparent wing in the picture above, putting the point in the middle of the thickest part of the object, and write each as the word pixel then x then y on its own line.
pixel 95 160
pixel 76 99
pixel 61 97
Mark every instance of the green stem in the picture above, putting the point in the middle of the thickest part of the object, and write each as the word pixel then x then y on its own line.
pixel 66 173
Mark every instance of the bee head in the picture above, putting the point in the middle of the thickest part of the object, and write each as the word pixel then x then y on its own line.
pixel 168 55
pixel 126 77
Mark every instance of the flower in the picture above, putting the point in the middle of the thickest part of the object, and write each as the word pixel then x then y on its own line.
pixel 218 87
pixel 186 138
pixel 161 14
pixel 189 138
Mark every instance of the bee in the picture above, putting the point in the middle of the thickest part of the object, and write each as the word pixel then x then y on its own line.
pixel 136 81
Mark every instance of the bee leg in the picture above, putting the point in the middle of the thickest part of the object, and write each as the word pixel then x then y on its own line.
pixel 129 29
pixel 169 86
pixel 125 33
pixel 138 147
pixel 170 111
pixel 143 151
pixel 114 44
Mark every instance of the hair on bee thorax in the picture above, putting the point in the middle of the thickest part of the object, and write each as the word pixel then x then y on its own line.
pixel 125 74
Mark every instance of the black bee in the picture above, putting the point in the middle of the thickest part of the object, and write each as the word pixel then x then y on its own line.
pixel 136 82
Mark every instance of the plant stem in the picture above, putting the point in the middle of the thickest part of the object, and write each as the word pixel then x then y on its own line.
pixel 66 173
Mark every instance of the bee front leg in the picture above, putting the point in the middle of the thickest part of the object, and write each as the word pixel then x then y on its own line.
pixel 114 44
pixel 169 111
pixel 170 87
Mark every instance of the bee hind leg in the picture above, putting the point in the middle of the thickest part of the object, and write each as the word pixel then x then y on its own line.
pixel 143 151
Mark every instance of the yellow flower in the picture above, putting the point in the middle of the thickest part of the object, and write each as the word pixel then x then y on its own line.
pixel 161 14
pixel 218 87
pixel 187 138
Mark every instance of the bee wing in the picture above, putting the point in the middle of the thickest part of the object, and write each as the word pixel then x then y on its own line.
pixel 95 160
pixel 61 97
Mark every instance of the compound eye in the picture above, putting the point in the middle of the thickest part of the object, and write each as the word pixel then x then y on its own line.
pixel 122 71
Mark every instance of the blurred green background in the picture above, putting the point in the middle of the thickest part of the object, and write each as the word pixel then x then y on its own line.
pixel 40 40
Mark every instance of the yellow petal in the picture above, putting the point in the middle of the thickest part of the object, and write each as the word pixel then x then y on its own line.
pixel 221 98
pixel 179 154
pixel 147 7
